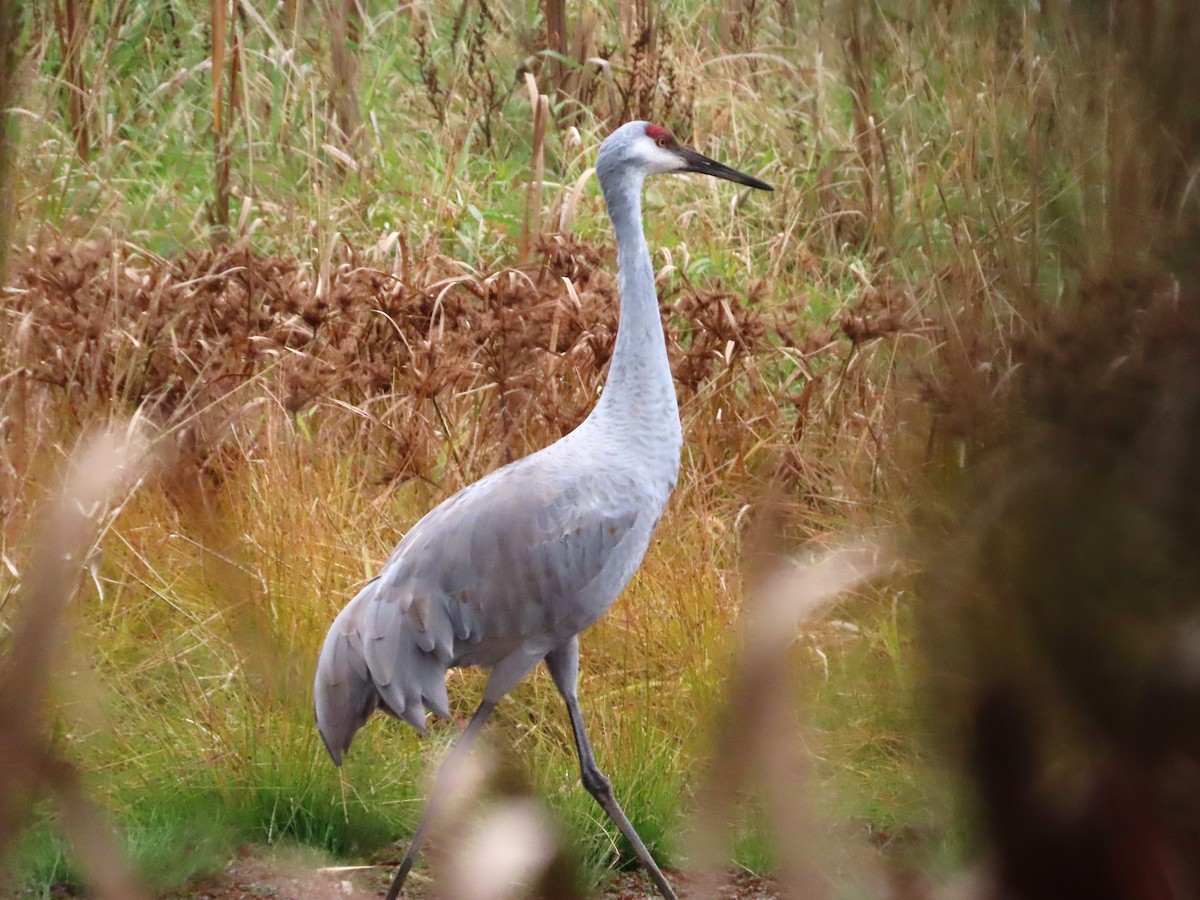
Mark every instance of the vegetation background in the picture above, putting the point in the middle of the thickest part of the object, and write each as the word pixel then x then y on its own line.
pixel 340 259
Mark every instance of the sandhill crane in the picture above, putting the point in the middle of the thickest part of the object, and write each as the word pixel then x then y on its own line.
pixel 508 571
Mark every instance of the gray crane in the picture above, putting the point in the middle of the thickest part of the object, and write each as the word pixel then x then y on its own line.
pixel 508 571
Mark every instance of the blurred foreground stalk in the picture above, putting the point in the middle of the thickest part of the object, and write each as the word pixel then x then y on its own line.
pixel 32 768
pixel 758 745
pixel 1061 602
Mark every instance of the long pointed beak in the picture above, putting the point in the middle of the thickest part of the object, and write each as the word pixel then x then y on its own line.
pixel 698 162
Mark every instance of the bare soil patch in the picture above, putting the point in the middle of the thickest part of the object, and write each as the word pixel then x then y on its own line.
pixel 257 874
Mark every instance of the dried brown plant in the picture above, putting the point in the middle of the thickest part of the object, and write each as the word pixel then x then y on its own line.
pixel 108 330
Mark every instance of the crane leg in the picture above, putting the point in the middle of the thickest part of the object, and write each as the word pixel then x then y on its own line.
pixel 458 752
pixel 563 664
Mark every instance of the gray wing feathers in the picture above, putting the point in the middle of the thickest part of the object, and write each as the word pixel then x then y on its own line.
pixel 498 565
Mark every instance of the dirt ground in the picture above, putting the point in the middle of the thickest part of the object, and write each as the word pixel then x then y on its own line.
pixel 254 876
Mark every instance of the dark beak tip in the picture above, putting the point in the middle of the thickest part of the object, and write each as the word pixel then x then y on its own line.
pixel 757 184
pixel 698 162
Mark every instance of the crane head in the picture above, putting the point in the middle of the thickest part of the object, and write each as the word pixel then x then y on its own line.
pixel 651 150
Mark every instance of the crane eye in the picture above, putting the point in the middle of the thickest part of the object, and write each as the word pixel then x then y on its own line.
pixel 663 141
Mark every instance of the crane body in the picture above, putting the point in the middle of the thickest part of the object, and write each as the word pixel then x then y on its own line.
pixel 508 571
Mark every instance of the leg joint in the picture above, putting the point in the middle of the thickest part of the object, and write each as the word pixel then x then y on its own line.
pixel 596 782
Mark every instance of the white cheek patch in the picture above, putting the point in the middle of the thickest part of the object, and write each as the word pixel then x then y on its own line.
pixel 660 160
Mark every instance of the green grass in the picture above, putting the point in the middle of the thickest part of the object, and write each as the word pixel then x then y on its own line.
pixel 169 834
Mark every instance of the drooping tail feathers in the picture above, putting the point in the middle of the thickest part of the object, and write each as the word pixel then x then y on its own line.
pixel 370 662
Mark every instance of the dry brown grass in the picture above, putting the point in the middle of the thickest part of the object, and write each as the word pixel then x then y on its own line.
pixel 435 374
pixel 445 372
pixel 301 428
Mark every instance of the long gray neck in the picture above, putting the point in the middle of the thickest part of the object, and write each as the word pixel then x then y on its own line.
pixel 639 390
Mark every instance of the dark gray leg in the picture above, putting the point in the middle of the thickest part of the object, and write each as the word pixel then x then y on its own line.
pixel 458 752
pixel 564 668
